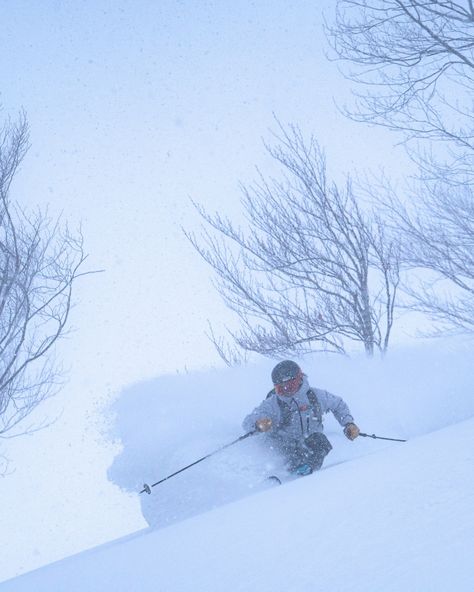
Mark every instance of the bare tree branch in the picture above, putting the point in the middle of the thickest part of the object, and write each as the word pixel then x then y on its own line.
pixel 415 60
pixel 40 260
pixel 436 225
pixel 312 271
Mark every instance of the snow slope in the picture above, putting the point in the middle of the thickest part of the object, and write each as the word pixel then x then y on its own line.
pixel 400 519
pixel 381 516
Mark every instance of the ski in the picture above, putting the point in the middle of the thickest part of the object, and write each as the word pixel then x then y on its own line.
pixel 274 479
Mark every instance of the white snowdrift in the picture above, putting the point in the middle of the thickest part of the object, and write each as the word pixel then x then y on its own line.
pixel 167 423
pixel 399 519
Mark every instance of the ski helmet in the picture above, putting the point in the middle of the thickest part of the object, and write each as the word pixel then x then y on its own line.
pixel 286 370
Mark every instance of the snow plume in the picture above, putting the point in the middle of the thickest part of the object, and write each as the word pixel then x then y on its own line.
pixel 169 422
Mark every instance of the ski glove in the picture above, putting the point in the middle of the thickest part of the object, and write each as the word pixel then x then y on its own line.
pixel 264 424
pixel 351 431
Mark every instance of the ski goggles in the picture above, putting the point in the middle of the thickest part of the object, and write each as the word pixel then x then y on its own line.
pixel 289 387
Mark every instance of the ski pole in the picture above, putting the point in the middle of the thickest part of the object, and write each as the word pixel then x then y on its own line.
pixel 380 437
pixel 147 488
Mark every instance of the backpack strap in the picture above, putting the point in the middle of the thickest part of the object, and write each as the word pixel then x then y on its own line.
pixel 315 405
pixel 285 411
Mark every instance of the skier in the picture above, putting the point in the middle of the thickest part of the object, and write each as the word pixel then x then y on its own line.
pixel 291 416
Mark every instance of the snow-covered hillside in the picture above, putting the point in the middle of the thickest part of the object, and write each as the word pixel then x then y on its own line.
pixel 400 519
pixel 381 515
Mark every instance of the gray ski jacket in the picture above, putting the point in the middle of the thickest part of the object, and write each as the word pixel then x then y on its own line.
pixel 294 418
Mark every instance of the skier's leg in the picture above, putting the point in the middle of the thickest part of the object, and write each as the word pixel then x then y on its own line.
pixel 303 457
pixel 317 448
pixel 293 452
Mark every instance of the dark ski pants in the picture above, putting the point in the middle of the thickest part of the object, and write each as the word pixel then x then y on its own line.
pixel 312 451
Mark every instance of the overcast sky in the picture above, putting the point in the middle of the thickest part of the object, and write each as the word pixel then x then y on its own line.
pixel 134 107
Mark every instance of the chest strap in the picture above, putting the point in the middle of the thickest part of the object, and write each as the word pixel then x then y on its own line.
pixel 287 410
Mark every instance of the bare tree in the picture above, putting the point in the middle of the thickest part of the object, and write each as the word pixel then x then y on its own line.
pixel 39 263
pixel 314 271
pixel 228 351
pixel 413 62
pixel 438 230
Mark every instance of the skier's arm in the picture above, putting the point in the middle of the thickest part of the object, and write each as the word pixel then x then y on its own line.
pixel 337 406
pixel 264 411
pixel 341 412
